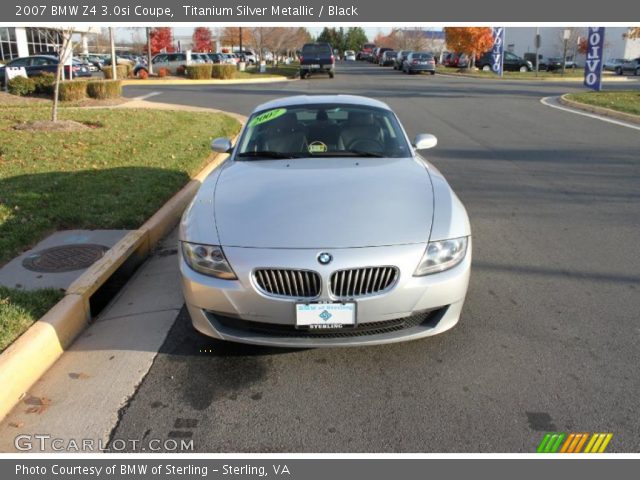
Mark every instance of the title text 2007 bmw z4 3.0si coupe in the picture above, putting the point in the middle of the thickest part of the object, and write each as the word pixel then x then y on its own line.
pixel 324 227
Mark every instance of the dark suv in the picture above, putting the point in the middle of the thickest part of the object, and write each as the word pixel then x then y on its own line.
pixel 512 63
pixel 317 58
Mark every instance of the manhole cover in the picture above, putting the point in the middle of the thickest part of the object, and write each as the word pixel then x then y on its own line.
pixel 64 258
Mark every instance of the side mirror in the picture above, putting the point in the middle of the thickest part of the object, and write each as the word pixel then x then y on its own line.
pixel 424 141
pixel 221 145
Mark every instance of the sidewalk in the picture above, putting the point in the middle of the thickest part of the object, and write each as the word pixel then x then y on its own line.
pixel 80 395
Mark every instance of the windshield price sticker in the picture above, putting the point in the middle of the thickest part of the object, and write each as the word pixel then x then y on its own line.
pixel 267 116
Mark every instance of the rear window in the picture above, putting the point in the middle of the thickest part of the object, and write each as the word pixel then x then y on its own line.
pixel 316 50
pixel 422 56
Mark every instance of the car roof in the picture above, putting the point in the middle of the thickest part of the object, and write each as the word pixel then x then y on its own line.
pixel 318 99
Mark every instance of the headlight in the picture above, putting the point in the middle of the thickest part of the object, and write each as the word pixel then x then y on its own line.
pixel 442 255
pixel 208 260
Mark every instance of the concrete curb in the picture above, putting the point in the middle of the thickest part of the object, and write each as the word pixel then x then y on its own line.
pixel 159 83
pixel 37 349
pixel 606 79
pixel 607 112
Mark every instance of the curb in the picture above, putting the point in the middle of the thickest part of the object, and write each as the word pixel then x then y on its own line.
pixel 37 349
pixel 239 81
pixel 605 79
pixel 607 112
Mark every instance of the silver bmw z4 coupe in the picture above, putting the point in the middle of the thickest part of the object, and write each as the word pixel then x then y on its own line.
pixel 324 227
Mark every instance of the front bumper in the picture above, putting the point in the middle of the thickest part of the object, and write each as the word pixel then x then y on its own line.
pixel 237 311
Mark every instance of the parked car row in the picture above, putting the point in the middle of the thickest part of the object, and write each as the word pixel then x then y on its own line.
pixel 406 61
pixel 173 61
pixel 38 64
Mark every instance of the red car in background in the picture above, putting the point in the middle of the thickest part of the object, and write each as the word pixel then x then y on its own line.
pixel 456 60
pixel 366 51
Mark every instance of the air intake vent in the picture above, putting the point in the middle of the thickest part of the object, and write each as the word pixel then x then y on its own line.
pixel 288 283
pixel 360 282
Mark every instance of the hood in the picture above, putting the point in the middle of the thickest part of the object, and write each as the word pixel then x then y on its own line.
pixel 323 203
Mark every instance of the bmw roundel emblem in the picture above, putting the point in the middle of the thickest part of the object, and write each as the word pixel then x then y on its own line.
pixel 325 258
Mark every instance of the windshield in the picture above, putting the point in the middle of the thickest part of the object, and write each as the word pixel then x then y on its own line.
pixel 323 130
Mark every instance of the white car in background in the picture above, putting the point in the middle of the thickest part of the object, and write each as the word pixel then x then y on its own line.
pixel 350 56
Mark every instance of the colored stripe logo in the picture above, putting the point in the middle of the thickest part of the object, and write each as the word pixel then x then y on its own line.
pixel 556 442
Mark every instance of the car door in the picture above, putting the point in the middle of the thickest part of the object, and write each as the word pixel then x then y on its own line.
pixel 511 62
pixel 39 65
pixel 160 61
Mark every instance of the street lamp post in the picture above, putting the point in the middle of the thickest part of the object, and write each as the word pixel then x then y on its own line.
pixel 149 64
pixel 566 35
pixel 537 50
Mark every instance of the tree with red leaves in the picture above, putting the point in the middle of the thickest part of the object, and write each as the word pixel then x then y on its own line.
pixel 161 40
pixel 473 41
pixel 201 39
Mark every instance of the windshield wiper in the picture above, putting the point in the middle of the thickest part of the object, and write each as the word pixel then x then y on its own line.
pixel 268 154
pixel 348 153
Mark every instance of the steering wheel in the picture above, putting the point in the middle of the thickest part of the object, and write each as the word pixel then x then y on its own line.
pixel 366 145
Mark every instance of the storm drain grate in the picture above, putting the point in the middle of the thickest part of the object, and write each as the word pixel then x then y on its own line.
pixel 64 258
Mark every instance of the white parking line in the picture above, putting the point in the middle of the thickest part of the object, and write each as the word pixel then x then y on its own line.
pixel 552 102
pixel 148 95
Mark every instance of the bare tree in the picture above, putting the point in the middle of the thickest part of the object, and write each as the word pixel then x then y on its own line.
pixel 64 51
pixel 60 40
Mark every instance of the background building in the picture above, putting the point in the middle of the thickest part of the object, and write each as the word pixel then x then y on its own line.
pixel 24 41
pixel 521 40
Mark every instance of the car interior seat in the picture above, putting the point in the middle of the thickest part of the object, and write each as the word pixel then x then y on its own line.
pixel 361 126
pixel 284 134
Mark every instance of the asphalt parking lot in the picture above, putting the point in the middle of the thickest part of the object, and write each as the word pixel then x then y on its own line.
pixel 549 336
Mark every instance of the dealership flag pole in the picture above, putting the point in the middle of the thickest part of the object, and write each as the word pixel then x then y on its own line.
pixel 593 62
pixel 497 52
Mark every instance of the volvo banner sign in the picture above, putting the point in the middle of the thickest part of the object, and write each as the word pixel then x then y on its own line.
pixel 497 52
pixel 593 62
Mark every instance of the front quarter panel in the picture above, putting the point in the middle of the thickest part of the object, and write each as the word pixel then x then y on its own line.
pixel 198 223
pixel 450 219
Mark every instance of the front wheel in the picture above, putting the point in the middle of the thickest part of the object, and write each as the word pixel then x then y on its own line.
pixel 523 69
pixel 618 71
pixel 486 68
pixel 433 72
pixel 637 72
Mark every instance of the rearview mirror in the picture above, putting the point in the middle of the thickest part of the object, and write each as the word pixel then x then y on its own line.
pixel 221 145
pixel 424 141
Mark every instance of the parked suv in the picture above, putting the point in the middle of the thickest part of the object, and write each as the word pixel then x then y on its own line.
pixel 170 61
pixel 511 63
pixel 317 58
pixel 249 56
pixel 630 66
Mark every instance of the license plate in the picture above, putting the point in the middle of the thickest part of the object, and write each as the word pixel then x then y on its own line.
pixel 314 66
pixel 325 315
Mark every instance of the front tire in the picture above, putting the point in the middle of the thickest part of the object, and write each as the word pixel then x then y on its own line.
pixel 523 69
pixel 486 68
pixel 433 72
pixel 618 71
